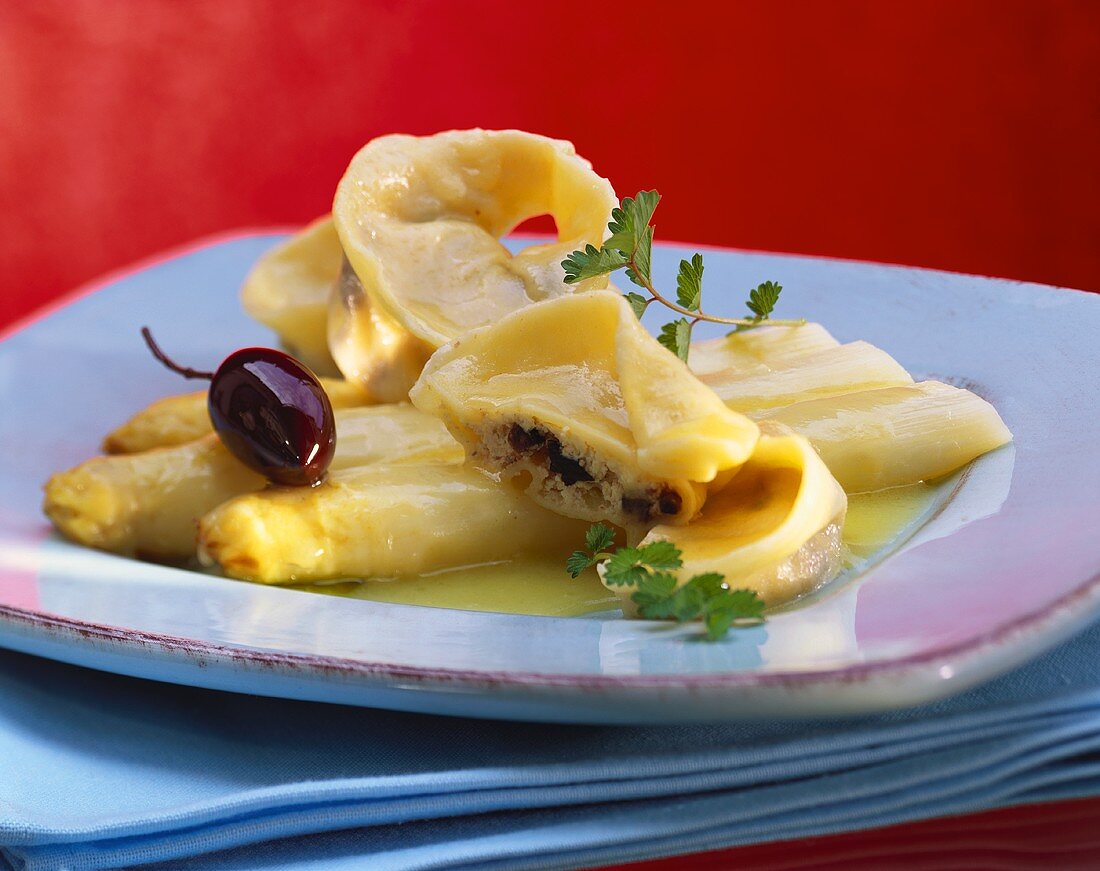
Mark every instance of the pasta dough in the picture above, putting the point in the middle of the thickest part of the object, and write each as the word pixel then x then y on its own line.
pixel 576 400
pixel 372 349
pixel 288 290
pixel 774 527
pixel 420 219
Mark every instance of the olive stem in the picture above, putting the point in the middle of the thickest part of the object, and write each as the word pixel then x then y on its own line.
pixel 185 371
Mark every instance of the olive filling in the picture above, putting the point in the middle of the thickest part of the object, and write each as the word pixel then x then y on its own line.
pixel 524 440
pixel 542 447
pixel 571 471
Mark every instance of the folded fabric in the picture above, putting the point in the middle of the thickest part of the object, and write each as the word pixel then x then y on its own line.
pixel 99 771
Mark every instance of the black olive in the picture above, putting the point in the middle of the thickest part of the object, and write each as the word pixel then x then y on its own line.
pixel 270 411
pixel 523 440
pixel 670 502
pixel 638 506
pixel 570 470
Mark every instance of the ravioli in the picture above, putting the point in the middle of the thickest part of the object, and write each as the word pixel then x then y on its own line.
pixel 576 401
pixel 774 527
pixel 420 219
pixel 288 290
pixel 371 348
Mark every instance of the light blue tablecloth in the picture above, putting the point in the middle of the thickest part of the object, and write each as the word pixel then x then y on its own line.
pixel 100 771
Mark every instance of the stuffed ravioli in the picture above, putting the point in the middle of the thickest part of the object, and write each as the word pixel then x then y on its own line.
pixel 288 290
pixel 421 218
pixel 577 401
pixel 774 527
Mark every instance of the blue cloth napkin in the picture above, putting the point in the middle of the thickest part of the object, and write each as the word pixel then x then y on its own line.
pixel 99 771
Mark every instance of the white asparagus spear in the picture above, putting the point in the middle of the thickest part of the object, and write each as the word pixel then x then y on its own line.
pixel 380 522
pixel 897 435
pixel 149 503
pixel 759 349
pixel 176 420
pixel 146 504
pixel 828 372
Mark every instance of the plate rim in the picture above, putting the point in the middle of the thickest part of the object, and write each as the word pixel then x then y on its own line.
pixel 1053 624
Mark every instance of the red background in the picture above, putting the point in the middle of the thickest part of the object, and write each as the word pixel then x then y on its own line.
pixel 958 134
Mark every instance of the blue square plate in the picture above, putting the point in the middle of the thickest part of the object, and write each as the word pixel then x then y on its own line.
pixel 1007 566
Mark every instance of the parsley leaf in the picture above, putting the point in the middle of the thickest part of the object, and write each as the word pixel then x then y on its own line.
pixel 591 263
pixel 748 604
pixel 630 220
pixel 762 299
pixel 689 600
pixel 676 336
pixel 625 568
pixel 630 244
pixel 657 592
pixel 630 565
pixel 661 555
pixel 632 235
pixel 654 596
pixel 639 273
pixel 761 303
pixel 637 302
pixel 599 537
pixel 597 540
pixel 578 561
pixel 689 283
pixel 735 606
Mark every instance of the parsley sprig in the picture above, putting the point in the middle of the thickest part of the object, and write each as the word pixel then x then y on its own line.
pixel 597 540
pixel 658 593
pixel 630 247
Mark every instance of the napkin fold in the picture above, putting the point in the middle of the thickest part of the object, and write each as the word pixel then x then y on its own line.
pixel 101 771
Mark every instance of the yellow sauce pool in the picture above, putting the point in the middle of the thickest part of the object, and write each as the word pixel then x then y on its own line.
pixel 517 587
pixel 876 524
pixel 879 521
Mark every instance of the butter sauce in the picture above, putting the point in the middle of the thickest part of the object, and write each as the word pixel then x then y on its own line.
pixel 876 524
pixel 526 586
pixel 882 520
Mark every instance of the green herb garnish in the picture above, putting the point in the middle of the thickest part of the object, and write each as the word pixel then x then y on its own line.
pixel 761 303
pixel 596 541
pixel 657 591
pixel 630 247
